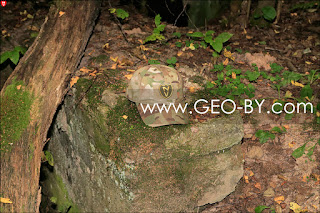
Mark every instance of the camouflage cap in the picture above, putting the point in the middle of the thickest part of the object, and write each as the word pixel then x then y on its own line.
pixel 156 86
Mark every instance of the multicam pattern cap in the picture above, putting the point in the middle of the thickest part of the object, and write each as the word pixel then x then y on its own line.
pixel 157 85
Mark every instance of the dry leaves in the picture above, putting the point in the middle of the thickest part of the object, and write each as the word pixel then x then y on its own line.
pixel 73 80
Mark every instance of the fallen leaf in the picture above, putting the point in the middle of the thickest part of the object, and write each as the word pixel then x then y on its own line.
pixel 179 53
pixel 18 87
pixel 85 70
pixel 244 31
pixel 105 46
pixel 225 62
pixel 236 43
pixel 125 117
pixel 192 89
pixel 61 13
pixel 308 62
pixel 114 59
pixel 291 144
pixel 246 178
pixel 114 66
pixel 234 75
pixel 279 199
pixel 129 76
pixel 5 200
pixel 192 46
pixel 295 207
pixel 288 94
pixel 251 173
pixel 30 16
pixel 142 47
pixel 276 31
pixel 286 126
pixel 73 81
pixel 297 84
pixel 129 70
pixel 249 37
pixel 258 186
pixel 304 178
pixel 141 42
pixel 318 114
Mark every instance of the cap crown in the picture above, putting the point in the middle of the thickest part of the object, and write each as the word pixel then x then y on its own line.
pixel 155 84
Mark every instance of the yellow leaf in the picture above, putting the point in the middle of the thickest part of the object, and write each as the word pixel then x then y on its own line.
pixel 114 59
pixel 236 43
pixel 192 89
pixel 249 37
pixel 246 178
pixel 106 45
pixel 129 76
pixel 141 42
pixel 130 70
pixel 61 13
pixel 125 117
pixel 279 199
pixel 112 10
pixel 304 178
pixel 73 81
pixel 179 53
pixel 85 70
pixel 308 62
pixel 291 144
pixel 234 75
pixel 30 16
pixel 192 46
pixel 5 200
pixel 142 47
pixel 318 114
pixel 114 66
pixel 251 173
pixel 288 94
pixel 295 207
pixel 276 31
pixel 244 31
pixel 297 84
pixel 225 62
pixel 18 87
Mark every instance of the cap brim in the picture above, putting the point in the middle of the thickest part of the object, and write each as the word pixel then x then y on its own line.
pixel 157 118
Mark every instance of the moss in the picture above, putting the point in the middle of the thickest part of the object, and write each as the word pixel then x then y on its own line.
pixel 61 197
pixel 125 134
pixel 49 157
pixel 14 114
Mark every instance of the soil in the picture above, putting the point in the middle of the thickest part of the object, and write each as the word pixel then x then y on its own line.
pixel 273 177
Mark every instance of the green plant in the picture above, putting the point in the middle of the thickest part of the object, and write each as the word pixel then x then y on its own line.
pixel 265 135
pixel 120 13
pixel 13 55
pixel 259 209
pixel 267 12
pixel 49 157
pixel 297 153
pixel 156 35
pixel 216 43
pixel 153 61
pixel 172 61
pixel 312 77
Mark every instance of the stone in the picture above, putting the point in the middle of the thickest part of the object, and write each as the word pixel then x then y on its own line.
pixel 198 165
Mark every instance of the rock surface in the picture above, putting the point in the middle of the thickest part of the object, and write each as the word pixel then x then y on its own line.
pixel 197 165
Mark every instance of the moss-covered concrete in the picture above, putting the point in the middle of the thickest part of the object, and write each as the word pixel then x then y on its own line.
pixel 15 108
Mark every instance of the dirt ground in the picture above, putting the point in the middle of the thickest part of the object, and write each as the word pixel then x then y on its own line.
pixel 273 177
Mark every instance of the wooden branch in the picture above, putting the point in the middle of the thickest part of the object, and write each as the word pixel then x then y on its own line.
pixel 45 71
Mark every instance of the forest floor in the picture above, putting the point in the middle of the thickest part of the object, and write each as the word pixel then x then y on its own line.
pixel 281 151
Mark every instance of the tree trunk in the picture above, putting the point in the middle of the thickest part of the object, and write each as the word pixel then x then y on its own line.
pixel 44 73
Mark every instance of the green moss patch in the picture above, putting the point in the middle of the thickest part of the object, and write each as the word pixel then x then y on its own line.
pixel 14 114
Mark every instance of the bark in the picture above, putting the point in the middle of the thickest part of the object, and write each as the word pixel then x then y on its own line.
pixel 45 69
